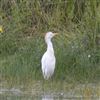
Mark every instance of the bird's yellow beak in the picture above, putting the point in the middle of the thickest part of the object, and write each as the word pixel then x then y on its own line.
pixel 1 29
pixel 55 33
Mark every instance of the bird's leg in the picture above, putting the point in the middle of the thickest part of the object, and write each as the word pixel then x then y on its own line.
pixel 51 83
pixel 43 83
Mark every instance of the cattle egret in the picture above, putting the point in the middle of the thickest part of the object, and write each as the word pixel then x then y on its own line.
pixel 48 60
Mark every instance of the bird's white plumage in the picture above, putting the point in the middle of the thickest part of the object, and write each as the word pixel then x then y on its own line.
pixel 48 60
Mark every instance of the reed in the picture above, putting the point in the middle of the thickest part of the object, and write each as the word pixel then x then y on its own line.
pixel 77 47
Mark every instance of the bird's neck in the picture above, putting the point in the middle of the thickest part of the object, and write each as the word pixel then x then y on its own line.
pixel 49 46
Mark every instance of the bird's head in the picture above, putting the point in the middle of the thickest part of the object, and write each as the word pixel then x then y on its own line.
pixel 49 35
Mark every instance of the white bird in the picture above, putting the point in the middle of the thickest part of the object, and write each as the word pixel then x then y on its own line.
pixel 48 60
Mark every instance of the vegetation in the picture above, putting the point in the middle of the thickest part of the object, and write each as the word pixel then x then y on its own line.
pixel 77 48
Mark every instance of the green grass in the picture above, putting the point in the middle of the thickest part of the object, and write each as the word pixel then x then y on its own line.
pixel 73 63
pixel 22 42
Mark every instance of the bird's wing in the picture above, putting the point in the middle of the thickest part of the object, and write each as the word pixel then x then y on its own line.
pixel 48 64
pixel 48 60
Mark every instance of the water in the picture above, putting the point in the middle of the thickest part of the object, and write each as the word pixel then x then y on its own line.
pixel 55 91
pixel 45 97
